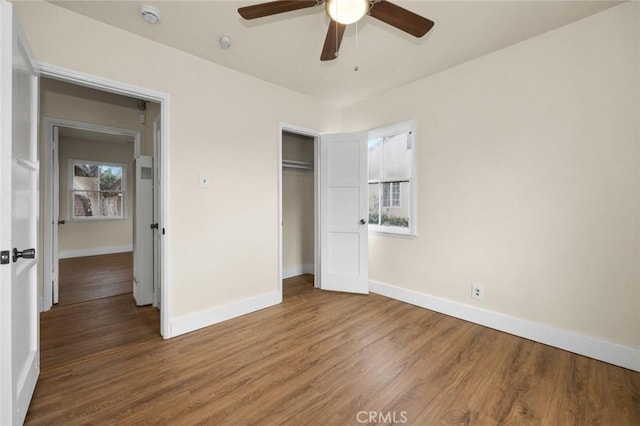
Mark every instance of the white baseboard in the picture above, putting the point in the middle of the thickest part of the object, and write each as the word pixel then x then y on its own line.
pixel 613 353
pixel 298 270
pixel 95 251
pixel 207 317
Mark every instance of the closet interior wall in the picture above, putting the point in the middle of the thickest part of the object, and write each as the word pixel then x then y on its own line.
pixel 297 205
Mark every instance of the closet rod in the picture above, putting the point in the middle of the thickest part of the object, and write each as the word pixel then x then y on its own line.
pixel 297 165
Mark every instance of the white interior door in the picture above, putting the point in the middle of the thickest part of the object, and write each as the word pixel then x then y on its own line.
pixel 157 220
pixel 55 190
pixel 19 326
pixel 142 231
pixel 343 205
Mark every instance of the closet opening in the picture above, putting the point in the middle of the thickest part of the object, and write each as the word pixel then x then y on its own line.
pixel 299 221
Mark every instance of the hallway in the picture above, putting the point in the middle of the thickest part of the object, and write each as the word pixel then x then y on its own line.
pixel 94 277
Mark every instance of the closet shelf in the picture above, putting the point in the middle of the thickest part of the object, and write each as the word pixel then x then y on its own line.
pixel 289 164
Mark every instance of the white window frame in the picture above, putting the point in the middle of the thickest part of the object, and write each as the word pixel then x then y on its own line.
pixel 391 130
pixel 70 191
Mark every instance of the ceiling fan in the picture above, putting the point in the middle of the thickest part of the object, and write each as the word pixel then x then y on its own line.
pixel 342 13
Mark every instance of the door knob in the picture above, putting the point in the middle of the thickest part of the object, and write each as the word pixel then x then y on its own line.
pixel 153 226
pixel 362 222
pixel 62 222
pixel 25 254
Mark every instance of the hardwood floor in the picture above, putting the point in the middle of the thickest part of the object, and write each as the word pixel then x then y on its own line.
pixel 80 332
pixel 106 322
pixel 323 358
pixel 95 277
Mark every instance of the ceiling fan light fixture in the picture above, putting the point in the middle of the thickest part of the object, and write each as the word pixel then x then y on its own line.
pixel 347 11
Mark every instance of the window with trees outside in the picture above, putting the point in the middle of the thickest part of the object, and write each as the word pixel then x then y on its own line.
pixel 391 179
pixel 96 190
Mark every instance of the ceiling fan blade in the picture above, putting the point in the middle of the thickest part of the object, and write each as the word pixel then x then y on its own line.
pixel 332 41
pixel 401 18
pixel 274 7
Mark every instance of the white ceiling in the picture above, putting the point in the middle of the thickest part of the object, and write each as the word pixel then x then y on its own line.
pixel 285 49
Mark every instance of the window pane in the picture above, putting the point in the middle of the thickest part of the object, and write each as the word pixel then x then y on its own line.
pixel 395 194
pixel 375 159
pixel 396 213
pixel 85 177
pixel 85 204
pixel 111 205
pixel 385 194
pixel 391 194
pixel 374 203
pixel 397 152
pixel 110 178
pixel 85 170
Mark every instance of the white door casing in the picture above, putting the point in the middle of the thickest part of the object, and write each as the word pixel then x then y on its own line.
pixel 51 219
pixel 19 326
pixel 164 99
pixel 344 213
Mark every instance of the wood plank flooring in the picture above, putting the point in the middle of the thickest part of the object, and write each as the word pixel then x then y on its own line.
pixel 78 332
pixel 323 358
pixel 95 277
pixel 108 321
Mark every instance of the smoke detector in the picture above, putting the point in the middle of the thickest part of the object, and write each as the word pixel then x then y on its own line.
pixel 150 14
pixel 225 42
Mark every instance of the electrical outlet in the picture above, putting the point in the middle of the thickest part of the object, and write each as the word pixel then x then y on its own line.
pixel 477 292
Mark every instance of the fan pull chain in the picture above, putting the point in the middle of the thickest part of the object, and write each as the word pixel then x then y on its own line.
pixel 337 31
pixel 356 67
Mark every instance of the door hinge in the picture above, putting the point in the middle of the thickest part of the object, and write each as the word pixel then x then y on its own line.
pixel 4 257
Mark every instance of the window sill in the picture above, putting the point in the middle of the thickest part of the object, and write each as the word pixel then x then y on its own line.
pixel 96 219
pixel 380 233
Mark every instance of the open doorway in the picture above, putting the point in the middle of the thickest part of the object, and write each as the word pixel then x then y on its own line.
pixel 93 145
pixel 93 209
pixel 298 208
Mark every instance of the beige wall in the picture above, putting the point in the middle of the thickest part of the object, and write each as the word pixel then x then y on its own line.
pixel 77 103
pixel 86 235
pixel 297 207
pixel 224 239
pixel 297 218
pixel 297 147
pixel 528 179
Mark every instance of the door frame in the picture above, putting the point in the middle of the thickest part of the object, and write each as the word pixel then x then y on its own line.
pixel 112 86
pixel 315 134
pixel 52 187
